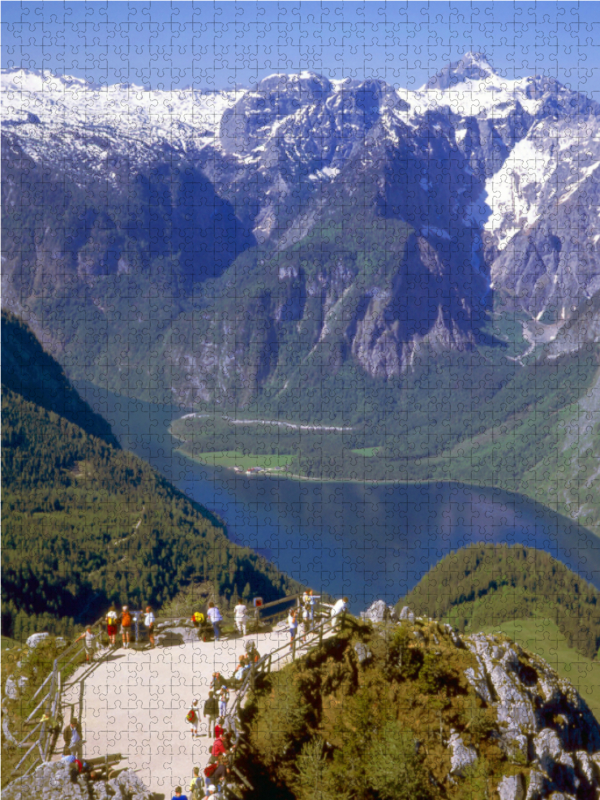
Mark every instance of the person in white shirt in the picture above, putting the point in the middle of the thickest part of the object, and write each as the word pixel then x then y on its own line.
pixel 214 617
pixel 149 621
pixel 241 621
pixel 339 608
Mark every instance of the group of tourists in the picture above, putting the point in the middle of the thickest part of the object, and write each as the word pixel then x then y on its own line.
pixel 305 614
pixel 214 618
pixel 215 775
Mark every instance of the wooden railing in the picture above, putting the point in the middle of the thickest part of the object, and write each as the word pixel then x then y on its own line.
pixel 50 725
pixel 300 646
pixel 50 705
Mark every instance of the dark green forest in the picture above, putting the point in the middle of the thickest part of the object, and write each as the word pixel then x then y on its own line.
pixel 85 523
pixel 485 585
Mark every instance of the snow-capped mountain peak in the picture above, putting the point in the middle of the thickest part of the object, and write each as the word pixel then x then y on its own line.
pixel 471 67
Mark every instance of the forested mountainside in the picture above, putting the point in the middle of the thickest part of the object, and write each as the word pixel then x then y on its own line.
pixel 84 523
pixel 486 585
pixel 29 371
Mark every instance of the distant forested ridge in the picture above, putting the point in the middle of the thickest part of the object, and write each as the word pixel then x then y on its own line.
pixel 85 523
pixel 484 585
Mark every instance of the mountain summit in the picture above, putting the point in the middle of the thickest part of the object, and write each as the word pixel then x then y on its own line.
pixel 470 67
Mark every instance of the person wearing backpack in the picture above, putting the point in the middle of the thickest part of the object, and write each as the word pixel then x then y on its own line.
pixel 112 623
pixel 126 626
pixel 196 785
pixel 193 719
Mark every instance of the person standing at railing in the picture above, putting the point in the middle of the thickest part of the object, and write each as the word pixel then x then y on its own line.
pixel 241 619
pixel 339 609
pixel 149 621
pixel 308 607
pixel 215 618
pixel 90 643
pixel 211 710
pixel 112 623
pixel 126 626
pixel 292 622
pixel 73 739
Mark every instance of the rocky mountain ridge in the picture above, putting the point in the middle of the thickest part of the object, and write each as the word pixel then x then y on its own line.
pixel 346 221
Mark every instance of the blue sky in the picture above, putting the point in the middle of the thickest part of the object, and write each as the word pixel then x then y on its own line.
pixel 214 45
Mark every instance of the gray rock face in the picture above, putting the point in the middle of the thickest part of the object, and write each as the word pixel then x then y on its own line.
pixel 462 756
pixel 511 788
pixel 176 635
pixel 52 781
pixel 407 614
pixel 379 611
pixel 362 651
pixel 36 638
pixel 478 680
pixel 541 719
pixel 11 688
pixel 535 790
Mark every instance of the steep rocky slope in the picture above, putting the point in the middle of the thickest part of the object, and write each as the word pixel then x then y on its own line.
pixel 413 709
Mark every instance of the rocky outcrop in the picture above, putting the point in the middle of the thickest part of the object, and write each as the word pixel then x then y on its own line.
pixel 549 737
pixel 462 756
pixel 379 611
pixel 511 788
pixel 56 781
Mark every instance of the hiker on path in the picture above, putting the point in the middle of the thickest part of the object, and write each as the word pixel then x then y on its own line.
pixel 73 739
pixel 217 682
pixel 221 773
pixel 219 729
pixel 223 700
pixel 126 626
pixel 179 795
pixel 215 618
pixel 112 620
pixel 292 622
pixel 149 621
pixel 197 785
pixel 90 643
pixel 210 792
pixel 241 619
pixel 211 710
pixel 222 746
pixel 193 717
pixel 252 652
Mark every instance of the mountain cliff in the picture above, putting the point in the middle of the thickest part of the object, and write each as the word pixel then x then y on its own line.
pixel 196 246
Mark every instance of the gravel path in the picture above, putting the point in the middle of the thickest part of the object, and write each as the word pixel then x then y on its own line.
pixel 135 703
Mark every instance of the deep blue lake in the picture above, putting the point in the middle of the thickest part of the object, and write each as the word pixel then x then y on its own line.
pixel 364 540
